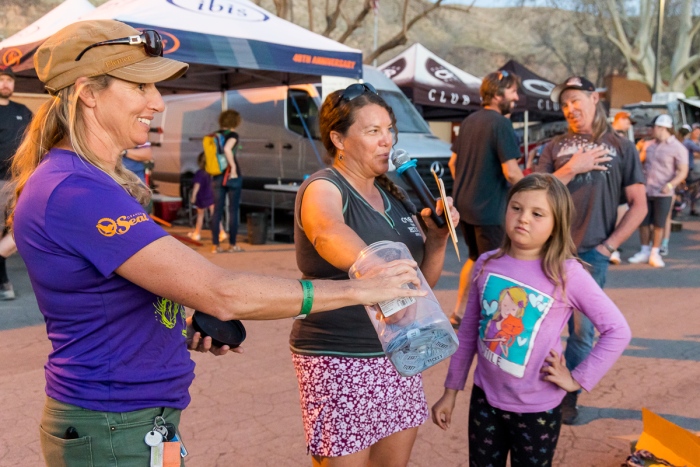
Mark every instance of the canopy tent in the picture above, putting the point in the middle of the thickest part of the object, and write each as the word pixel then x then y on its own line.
pixel 534 94
pixel 229 44
pixel 440 90
pixel 17 50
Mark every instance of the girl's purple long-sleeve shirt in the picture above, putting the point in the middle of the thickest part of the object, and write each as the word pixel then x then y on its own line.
pixel 514 317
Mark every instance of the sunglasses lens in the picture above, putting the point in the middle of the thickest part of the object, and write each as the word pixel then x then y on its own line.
pixel 370 88
pixel 353 91
pixel 153 43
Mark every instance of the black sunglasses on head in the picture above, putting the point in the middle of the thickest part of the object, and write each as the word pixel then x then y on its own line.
pixel 356 90
pixel 151 40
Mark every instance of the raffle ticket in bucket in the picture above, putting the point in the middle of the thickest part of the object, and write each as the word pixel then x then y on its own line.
pixel 414 332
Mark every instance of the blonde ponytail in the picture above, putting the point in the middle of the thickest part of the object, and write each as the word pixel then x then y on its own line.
pixel 59 119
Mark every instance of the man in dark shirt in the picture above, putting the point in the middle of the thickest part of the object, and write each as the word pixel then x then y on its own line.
pixel 14 118
pixel 599 167
pixel 483 163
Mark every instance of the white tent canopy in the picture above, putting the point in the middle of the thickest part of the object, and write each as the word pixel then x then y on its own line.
pixel 230 43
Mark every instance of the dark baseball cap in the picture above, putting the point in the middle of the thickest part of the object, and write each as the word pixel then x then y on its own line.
pixel 7 71
pixel 572 82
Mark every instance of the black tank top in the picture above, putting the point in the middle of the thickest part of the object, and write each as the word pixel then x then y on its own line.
pixel 348 331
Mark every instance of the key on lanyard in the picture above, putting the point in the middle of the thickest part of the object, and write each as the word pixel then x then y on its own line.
pixel 155 440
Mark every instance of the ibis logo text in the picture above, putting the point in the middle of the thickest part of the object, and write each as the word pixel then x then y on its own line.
pixel 110 227
pixel 229 9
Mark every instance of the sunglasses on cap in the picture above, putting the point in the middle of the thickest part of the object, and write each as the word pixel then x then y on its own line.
pixel 356 90
pixel 151 40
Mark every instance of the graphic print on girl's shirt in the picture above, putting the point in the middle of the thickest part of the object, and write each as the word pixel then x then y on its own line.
pixel 511 316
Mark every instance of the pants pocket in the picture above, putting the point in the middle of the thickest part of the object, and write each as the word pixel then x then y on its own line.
pixel 59 452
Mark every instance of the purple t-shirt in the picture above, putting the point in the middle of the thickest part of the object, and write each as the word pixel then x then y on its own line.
pixel 205 194
pixel 116 346
pixel 514 317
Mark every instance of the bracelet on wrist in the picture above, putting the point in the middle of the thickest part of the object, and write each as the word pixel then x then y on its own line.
pixel 608 247
pixel 307 303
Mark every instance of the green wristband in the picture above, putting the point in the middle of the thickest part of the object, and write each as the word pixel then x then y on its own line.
pixel 308 289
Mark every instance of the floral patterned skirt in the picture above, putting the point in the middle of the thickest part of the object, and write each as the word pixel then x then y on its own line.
pixel 348 404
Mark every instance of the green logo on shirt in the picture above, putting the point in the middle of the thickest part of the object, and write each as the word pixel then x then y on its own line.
pixel 168 311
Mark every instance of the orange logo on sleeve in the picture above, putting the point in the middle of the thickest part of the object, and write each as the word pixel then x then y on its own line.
pixel 109 227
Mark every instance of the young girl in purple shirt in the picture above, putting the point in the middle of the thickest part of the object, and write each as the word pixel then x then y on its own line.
pixel 202 198
pixel 520 302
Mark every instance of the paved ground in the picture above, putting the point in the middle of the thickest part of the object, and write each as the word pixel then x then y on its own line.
pixel 245 409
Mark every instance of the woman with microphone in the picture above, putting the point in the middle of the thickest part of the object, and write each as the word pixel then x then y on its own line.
pixel 356 408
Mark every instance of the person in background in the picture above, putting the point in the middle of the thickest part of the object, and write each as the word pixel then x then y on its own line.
pixel 665 166
pixel 599 168
pixel 135 159
pixel 692 146
pixel 227 185
pixel 357 409
pixel 692 142
pixel 484 161
pixel 689 137
pixel 14 118
pixel 535 280
pixel 111 284
pixel 202 197
pixel 622 123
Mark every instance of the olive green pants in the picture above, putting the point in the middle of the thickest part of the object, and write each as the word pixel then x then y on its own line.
pixel 105 439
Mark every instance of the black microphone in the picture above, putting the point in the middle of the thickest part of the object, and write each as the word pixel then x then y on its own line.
pixel 406 168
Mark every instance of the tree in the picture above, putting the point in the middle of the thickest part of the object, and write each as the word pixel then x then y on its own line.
pixel 570 42
pixel 15 14
pixel 344 19
pixel 631 27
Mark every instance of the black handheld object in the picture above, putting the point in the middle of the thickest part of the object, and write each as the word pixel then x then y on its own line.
pixel 231 333
pixel 406 168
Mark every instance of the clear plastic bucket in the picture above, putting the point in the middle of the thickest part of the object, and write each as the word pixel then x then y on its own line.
pixel 414 332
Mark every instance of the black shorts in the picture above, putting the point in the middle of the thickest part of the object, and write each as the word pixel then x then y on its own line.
pixel 659 207
pixel 481 238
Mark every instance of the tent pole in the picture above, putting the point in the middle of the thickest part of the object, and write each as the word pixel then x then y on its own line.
pixel 224 101
pixel 526 133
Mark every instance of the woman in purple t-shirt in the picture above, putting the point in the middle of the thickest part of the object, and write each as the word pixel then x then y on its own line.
pixel 111 284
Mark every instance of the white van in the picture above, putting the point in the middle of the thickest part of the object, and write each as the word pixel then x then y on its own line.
pixel 279 135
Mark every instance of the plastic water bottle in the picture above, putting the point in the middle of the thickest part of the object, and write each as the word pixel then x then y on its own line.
pixel 414 331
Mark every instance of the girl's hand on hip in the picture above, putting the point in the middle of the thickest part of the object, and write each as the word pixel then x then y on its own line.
pixel 557 373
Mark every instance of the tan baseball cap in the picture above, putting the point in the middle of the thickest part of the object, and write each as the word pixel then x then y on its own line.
pixel 57 68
